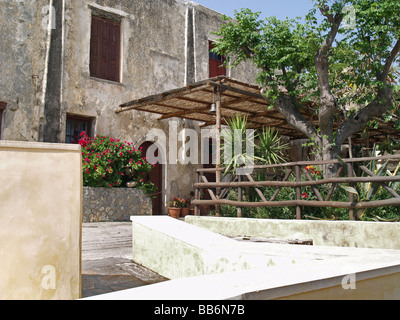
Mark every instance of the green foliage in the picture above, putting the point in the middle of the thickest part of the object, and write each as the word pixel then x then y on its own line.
pixel 285 51
pixel 279 48
pixel 236 136
pixel 107 162
pixel 269 148
pixel 370 191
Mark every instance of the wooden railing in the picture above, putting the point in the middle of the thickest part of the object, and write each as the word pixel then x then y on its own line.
pixel 278 176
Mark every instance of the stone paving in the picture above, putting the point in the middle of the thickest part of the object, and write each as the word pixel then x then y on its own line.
pixel 107 264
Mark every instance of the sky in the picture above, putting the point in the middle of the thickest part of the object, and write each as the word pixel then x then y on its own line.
pixel 279 8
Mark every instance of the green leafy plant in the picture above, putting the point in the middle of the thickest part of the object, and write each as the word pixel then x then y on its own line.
pixel 108 162
pixel 175 203
pixel 269 148
pixel 320 59
pixel 237 135
pixel 184 203
pixel 369 191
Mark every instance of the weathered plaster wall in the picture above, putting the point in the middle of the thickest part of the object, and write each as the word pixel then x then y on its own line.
pixel 164 45
pixel 157 50
pixel 40 221
pixel 22 67
pixel 206 22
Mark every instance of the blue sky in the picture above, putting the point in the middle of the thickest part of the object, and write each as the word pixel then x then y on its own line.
pixel 279 8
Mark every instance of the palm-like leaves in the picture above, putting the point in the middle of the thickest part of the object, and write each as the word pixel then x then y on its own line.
pixel 270 147
pixel 239 147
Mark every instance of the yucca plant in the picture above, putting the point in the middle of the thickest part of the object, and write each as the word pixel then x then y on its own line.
pixel 238 139
pixel 270 147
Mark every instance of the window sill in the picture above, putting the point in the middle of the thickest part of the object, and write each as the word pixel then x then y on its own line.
pixel 107 81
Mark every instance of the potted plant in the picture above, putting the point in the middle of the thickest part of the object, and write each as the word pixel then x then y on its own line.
pixel 185 207
pixel 175 208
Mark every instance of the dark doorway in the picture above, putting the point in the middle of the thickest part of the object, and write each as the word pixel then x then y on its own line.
pixel 156 177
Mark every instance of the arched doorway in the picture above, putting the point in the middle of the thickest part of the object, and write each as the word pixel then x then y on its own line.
pixel 156 177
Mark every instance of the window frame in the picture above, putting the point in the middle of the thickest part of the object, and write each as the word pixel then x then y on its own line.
pixel 214 58
pixel 102 59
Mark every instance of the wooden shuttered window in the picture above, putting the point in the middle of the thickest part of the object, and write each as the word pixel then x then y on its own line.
pixel 105 48
pixel 216 62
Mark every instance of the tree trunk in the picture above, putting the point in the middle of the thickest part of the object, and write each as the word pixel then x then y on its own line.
pixel 326 151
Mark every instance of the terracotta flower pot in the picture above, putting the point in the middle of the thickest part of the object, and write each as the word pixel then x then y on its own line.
pixel 174 212
pixel 185 212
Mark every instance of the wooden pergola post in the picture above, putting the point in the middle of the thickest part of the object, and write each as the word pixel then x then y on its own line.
pixel 218 145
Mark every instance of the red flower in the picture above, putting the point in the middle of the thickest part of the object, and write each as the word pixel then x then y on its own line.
pixel 304 195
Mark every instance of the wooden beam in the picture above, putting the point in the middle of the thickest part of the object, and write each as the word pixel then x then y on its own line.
pixel 162 96
pixel 182 113
pixel 308 203
pixel 296 184
pixel 240 91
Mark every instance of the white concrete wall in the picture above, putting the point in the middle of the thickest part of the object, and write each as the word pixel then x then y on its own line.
pixel 40 221
pixel 207 266
pixel 359 234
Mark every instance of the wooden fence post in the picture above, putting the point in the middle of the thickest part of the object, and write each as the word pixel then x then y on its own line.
pixel 298 193
pixel 351 195
pixel 197 195
pixel 240 198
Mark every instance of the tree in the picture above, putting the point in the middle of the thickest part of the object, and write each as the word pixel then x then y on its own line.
pixel 324 59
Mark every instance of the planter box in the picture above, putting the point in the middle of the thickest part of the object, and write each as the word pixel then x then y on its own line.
pixel 114 204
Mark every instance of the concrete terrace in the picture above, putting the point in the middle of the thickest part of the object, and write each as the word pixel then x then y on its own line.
pixel 107 264
pixel 205 265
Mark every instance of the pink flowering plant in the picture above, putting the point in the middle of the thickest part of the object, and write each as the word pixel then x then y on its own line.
pixel 109 163
pixel 175 203
pixel 184 203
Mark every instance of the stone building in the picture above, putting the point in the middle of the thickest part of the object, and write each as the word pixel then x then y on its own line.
pixel 67 65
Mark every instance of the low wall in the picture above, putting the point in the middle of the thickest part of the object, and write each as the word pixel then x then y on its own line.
pixel 114 204
pixel 358 234
pixel 40 221
pixel 203 265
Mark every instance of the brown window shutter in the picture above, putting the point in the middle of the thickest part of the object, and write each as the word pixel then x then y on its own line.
pixel 105 49
pixel 114 52
pixel 95 48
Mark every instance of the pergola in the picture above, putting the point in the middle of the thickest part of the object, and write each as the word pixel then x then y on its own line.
pixel 232 97
pixel 213 100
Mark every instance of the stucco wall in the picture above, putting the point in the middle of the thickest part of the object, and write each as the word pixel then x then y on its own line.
pixel 40 221
pixel 358 234
pixel 22 67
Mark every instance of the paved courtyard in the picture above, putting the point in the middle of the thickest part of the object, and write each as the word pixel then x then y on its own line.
pixel 107 264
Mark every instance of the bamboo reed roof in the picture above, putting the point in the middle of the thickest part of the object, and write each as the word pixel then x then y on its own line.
pixel 194 102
